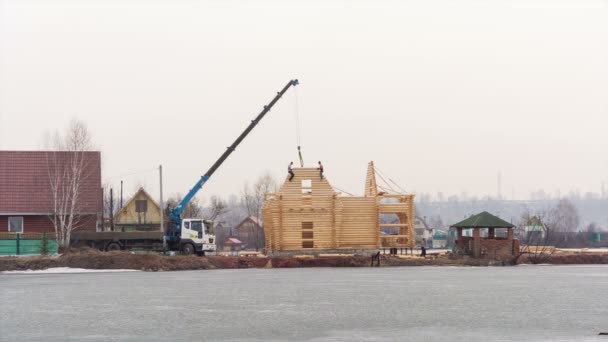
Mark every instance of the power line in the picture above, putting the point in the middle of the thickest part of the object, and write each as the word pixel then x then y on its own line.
pixel 133 173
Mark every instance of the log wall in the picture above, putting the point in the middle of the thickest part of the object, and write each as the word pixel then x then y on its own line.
pixel 307 214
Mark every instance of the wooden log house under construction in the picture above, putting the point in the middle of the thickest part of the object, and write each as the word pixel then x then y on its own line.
pixel 306 214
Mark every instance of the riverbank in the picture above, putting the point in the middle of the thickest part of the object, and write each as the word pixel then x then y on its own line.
pixel 92 259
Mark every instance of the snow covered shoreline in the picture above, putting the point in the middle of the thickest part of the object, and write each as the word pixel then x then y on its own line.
pixel 66 270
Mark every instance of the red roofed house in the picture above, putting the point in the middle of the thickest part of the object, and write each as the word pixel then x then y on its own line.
pixel 26 201
pixel 232 244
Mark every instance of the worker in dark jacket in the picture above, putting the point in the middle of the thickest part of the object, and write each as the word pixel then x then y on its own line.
pixel 320 169
pixel 423 248
pixel 290 171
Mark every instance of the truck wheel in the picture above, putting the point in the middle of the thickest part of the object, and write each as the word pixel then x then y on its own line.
pixel 187 249
pixel 113 246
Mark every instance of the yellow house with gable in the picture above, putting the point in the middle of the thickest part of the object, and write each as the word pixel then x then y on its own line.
pixel 141 212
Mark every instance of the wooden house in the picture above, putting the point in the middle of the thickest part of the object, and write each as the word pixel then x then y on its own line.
pixel 307 214
pixel 26 197
pixel 423 231
pixel 251 233
pixel 232 244
pixel 141 212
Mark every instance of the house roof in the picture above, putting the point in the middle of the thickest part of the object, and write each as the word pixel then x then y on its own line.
pixel 253 219
pixel 439 233
pixel 140 191
pixel 233 240
pixel 25 186
pixel 483 220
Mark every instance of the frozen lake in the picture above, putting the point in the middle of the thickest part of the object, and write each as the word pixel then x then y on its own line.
pixel 567 303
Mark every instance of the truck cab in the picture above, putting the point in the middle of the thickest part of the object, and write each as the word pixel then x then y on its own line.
pixel 197 236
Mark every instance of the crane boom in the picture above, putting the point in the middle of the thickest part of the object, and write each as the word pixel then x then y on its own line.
pixel 175 215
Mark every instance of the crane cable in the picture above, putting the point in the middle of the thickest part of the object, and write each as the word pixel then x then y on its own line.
pixel 297 115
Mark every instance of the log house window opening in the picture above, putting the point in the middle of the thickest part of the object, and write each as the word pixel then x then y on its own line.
pixel 307 233
pixel 307 186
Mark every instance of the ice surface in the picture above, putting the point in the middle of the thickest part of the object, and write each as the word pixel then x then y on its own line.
pixel 532 303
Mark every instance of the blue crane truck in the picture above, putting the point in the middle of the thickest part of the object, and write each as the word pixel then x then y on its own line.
pixel 187 235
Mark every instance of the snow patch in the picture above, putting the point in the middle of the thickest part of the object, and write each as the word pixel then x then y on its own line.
pixel 65 270
pixel 536 265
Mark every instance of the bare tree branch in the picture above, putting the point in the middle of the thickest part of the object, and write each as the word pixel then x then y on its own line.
pixel 67 170
pixel 253 199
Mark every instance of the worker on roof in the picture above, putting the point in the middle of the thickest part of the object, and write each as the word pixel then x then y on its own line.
pixel 290 171
pixel 320 168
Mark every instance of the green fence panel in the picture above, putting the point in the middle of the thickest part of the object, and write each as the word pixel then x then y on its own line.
pixel 8 247
pixel 53 247
pixel 26 246
pixel 29 247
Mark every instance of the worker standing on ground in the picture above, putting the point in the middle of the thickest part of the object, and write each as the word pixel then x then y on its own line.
pixel 321 169
pixel 290 171
pixel 423 248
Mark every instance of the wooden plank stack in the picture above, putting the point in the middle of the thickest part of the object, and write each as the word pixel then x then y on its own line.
pixel 307 214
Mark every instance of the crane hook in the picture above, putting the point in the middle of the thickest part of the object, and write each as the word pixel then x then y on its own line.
pixel 300 155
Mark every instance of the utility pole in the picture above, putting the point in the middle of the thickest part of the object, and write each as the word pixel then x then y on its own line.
pixel 102 210
pixel 162 208
pixel 121 194
pixel 111 209
pixel 162 214
pixel 499 187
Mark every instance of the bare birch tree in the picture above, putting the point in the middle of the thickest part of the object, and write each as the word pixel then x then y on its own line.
pixel 563 217
pixel 534 235
pixel 253 199
pixel 217 207
pixel 549 229
pixel 194 208
pixel 67 171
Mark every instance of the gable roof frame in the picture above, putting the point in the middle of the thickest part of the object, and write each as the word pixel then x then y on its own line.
pixel 141 190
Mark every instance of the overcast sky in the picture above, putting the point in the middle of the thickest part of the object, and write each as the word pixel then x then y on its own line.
pixel 442 95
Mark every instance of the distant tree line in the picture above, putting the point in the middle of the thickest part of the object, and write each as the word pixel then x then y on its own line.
pixel 562 224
